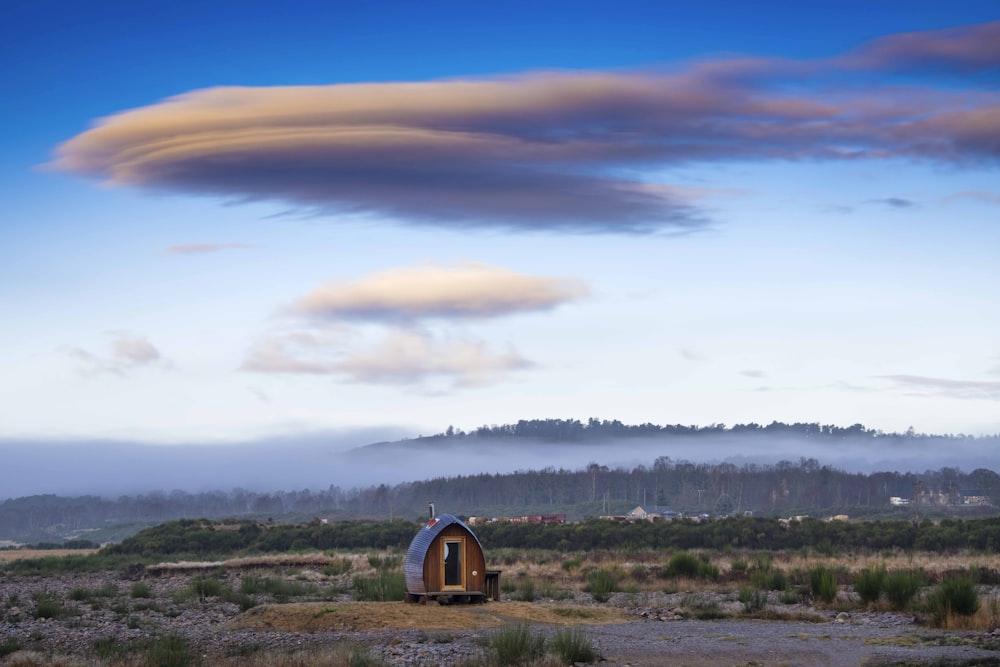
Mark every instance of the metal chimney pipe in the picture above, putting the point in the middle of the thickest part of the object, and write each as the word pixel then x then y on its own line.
pixel 430 509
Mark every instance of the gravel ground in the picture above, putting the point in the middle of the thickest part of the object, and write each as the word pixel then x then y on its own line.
pixel 658 634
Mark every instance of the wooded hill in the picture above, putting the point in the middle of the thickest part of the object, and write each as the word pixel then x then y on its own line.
pixel 783 488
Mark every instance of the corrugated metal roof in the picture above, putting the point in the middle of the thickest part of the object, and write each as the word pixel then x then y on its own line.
pixel 413 566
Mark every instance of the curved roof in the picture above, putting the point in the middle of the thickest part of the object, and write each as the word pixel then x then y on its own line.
pixel 413 566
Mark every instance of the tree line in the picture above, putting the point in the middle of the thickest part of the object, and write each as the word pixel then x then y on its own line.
pixel 205 538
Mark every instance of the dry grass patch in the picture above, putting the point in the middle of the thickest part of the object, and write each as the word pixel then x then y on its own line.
pixel 365 616
pixel 9 556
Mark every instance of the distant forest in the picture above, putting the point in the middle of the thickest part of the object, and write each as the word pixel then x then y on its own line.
pixel 780 489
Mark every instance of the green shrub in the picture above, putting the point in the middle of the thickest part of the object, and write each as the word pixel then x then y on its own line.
pixel 701 607
pixel 739 566
pixel 601 583
pixel 869 582
pixel 206 587
pixel 958 596
pixel 525 591
pixel 338 567
pixel 901 586
pixel 684 564
pixel 573 645
pixel 516 644
pixel 80 594
pixel 788 597
pixel 752 599
pixel 109 649
pixel 550 592
pixel 381 587
pixel 48 606
pixel 571 564
pixel 770 580
pixel 276 586
pixel 9 645
pixel 168 651
pixel 763 562
pixel 140 589
pixel 823 583
pixel 384 562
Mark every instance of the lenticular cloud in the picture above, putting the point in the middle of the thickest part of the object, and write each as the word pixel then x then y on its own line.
pixel 550 150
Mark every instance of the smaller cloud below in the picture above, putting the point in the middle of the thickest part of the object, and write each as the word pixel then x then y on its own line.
pixel 465 290
pixel 753 373
pixel 964 389
pixel 202 248
pixel 127 352
pixel 401 358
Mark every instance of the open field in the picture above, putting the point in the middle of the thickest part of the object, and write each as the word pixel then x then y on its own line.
pixel 733 608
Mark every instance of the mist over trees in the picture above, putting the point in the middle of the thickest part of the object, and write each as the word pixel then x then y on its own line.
pixel 787 487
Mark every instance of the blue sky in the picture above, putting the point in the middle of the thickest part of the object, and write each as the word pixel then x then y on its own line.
pixel 412 215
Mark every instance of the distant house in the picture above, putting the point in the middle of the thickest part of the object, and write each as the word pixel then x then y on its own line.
pixel 897 501
pixel 652 513
pixel 974 497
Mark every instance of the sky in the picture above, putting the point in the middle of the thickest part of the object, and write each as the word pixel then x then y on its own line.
pixel 232 221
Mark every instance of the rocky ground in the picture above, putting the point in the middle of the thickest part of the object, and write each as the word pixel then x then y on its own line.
pixel 82 615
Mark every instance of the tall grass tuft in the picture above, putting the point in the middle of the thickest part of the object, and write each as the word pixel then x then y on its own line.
pixel 958 596
pixel 684 564
pixel 280 588
pixel 337 567
pixel 169 651
pixel 601 583
pixel 869 582
pixel 140 589
pixel 48 606
pixel 573 645
pixel 381 587
pixel 525 591
pixel 753 600
pixel 206 587
pixel 901 586
pixel 823 583
pixel 516 644
pixel 8 646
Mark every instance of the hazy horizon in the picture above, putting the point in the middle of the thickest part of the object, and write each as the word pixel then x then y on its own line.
pixel 110 469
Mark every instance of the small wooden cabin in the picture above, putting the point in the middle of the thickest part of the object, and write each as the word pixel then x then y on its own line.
pixel 445 562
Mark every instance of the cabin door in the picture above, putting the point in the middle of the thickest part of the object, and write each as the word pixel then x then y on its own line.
pixel 452 563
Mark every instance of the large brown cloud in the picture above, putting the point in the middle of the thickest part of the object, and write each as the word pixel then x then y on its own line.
pixel 547 150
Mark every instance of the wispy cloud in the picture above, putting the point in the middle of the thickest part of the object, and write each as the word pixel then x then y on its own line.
pixel 753 373
pixel 975 195
pixel 466 290
pixel 894 202
pixel 972 389
pixel 401 358
pixel 970 48
pixel 548 150
pixel 202 248
pixel 127 352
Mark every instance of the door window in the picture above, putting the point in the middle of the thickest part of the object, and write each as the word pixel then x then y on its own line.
pixel 453 563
